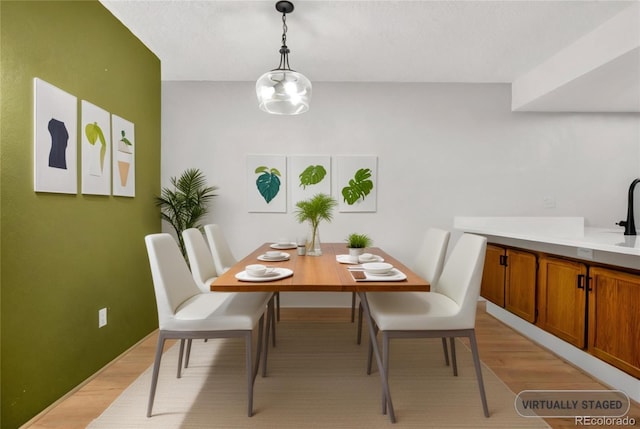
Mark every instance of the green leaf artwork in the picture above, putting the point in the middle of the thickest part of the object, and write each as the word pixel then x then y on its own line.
pixel 359 187
pixel 124 139
pixel 94 133
pixel 312 175
pixel 268 182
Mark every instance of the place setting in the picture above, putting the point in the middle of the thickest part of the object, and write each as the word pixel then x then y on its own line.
pixel 359 259
pixel 262 273
pixel 274 256
pixel 283 244
pixel 376 271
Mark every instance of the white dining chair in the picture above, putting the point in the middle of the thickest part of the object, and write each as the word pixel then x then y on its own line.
pixel 450 311
pixel 204 273
pixel 223 257
pixel 185 312
pixel 428 264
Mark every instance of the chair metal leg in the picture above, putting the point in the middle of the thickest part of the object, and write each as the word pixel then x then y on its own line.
pixel 188 355
pixel 383 373
pixel 476 363
pixel 259 347
pixel 180 354
pixel 249 368
pixel 444 349
pixel 270 323
pixel 454 363
pixel 277 296
pixel 156 370
pixel 370 354
pixel 385 363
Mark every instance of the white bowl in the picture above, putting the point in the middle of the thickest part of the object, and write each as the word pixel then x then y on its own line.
pixel 377 267
pixel 367 257
pixel 258 270
pixel 273 254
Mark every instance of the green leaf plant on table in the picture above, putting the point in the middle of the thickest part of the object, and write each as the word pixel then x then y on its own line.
pixel 319 207
pixel 359 187
pixel 268 183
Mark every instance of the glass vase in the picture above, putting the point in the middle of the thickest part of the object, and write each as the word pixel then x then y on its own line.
pixel 313 242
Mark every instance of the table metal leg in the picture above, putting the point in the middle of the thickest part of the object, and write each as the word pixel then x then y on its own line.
pixel 383 372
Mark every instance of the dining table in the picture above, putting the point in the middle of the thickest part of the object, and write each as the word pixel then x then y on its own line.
pixel 333 271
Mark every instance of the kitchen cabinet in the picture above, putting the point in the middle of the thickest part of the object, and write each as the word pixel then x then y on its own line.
pixel 562 299
pixel 493 275
pixel 509 280
pixel 614 318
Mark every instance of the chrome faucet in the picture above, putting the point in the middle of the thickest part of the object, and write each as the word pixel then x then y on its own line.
pixel 630 224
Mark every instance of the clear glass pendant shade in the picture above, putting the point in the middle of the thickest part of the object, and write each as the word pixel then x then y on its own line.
pixel 283 92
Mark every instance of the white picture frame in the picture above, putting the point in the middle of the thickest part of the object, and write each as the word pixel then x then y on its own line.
pixel 96 149
pixel 309 175
pixel 55 139
pixel 267 183
pixel 357 183
pixel 123 156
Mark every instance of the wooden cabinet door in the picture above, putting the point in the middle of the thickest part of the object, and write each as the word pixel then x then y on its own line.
pixel 493 275
pixel 614 318
pixel 562 299
pixel 520 284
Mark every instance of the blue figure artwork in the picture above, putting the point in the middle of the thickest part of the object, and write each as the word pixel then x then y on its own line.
pixel 59 138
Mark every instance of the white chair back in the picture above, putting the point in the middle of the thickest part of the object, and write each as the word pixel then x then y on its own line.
pixel 222 256
pixel 172 280
pixel 203 268
pixel 431 256
pixel 462 275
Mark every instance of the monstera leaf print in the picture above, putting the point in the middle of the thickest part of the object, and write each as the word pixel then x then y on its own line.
pixel 359 187
pixel 312 175
pixel 268 182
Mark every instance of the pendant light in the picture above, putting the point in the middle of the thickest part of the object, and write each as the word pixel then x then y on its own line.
pixel 283 91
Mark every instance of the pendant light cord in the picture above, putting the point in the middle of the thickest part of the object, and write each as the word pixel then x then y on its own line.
pixel 284 50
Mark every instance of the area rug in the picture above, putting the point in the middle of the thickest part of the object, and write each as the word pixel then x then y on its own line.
pixel 316 379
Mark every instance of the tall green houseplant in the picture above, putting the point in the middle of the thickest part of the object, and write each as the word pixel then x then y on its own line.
pixel 314 210
pixel 184 205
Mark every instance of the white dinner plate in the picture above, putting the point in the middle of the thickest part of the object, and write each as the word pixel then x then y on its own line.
pixel 284 256
pixel 394 275
pixel 346 259
pixel 277 274
pixel 279 246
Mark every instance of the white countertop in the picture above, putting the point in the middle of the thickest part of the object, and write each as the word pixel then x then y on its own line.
pixel 564 231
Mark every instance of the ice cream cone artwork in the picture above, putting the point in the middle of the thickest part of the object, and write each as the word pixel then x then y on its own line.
pixel 125 156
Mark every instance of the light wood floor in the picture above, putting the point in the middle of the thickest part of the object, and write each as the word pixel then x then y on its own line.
pixel 519 362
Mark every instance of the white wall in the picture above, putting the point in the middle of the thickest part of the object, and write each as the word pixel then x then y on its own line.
pixel 443 150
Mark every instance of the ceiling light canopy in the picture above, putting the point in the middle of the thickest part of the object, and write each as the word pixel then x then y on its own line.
pixel 283 91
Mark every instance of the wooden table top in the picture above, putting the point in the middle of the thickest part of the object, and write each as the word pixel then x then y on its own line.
pixel 316 274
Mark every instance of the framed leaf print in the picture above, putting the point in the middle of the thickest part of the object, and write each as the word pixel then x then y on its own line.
pixel 124 166
pixel 266 183
pixel 357 183
pixel 55 139
pixel 96 150
pixel 309 175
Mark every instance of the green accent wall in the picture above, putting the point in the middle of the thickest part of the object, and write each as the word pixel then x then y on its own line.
pixel 63 257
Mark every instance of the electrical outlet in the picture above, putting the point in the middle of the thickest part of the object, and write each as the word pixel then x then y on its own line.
pixel 102 317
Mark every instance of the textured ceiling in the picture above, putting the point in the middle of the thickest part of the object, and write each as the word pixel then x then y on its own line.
pixel 364 41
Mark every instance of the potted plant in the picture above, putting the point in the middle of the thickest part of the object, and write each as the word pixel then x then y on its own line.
pixel 186 204
pixel 356 244
pixel 317 208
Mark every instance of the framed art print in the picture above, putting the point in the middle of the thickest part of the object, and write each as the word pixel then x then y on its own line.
pixel 55 139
